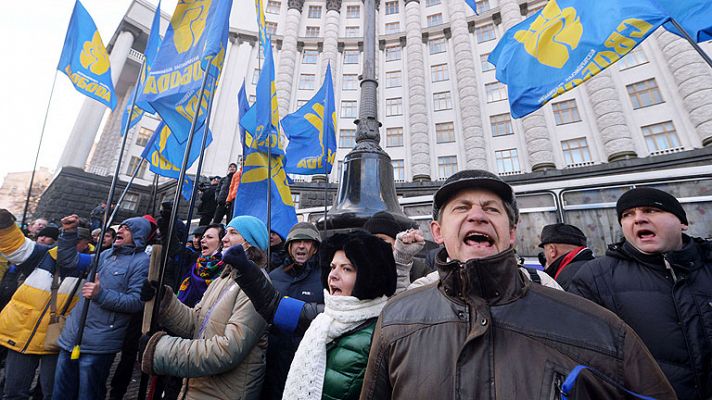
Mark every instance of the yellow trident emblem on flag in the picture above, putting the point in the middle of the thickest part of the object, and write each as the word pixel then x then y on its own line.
pixel 257 162
pixel 94 56
pixel 552 34
pixel 189 23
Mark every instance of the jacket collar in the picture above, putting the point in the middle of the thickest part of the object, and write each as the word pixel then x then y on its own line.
pixel 495 279
pixel 689 257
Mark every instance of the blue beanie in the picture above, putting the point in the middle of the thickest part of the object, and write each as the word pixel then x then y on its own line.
pixel 252 229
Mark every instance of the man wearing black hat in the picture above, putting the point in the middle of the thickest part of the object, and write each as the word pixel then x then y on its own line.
pixel 565 251
pixel 484 331
pixel 659 281
pixel 48 235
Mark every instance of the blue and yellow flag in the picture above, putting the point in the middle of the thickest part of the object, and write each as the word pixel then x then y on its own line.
pixel 311 131
pixel 159 165
pixel 152 46
pixel 197 33
pixel 695 16
pixel 262 120
pixel 261 31
pixel 472 5
pixel 85 60
pixel 566 43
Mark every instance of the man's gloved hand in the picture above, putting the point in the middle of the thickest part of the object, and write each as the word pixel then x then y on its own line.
pixel 6 218
pixel 407 245
pixel 235 256
pixel 149 290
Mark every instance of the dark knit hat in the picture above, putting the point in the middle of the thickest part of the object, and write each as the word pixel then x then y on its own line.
pixel 562 233
pixel 650 197
pixel 474 179
pixel 199 230
pixel 372 257
pixel 382 222
pixel 303 231
pixel 49 231
pixel 84 233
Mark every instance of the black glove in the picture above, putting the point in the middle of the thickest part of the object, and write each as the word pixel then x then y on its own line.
pixel 6 218
pixel 149 290
pixel 235 256
pixel 264 297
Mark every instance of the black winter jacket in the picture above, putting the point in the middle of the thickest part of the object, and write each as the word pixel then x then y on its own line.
pixel 224 188
pixel 564 275
pixel 667 300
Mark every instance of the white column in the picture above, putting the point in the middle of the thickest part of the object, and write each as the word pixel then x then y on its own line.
pixel 610 119
pixel 536 131
pixel 287 57
pixel 475 148
pixel 331 35
pixel 693 79
pixel 76 151
pixel 418 125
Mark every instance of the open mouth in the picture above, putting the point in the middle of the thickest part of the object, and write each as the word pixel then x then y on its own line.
pixel 335 291
pixel 645 234
pixel 300 253
pixel 478 239
pixel 119 237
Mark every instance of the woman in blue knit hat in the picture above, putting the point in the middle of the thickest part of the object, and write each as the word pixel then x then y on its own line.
pixel 252 234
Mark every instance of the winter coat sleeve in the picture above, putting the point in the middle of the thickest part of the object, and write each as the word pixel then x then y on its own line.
pixel 200 357
pixel 15 247
pixel 642 373
pixel 234 184
pixel 67 255
pixel 376 384
pixel 129 301
pixel 176 316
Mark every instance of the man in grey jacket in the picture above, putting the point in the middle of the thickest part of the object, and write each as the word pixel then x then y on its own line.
pixel 114 295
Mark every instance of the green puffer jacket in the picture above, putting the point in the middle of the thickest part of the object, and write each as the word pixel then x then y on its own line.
pixel 346 361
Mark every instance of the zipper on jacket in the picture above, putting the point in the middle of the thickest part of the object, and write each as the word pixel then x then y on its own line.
pixel 556 389
pixel 669 268
pixel 463 282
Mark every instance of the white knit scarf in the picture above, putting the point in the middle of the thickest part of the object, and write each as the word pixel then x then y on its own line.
pixel 341 314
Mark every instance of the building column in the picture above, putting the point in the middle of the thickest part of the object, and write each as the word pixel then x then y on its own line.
pixel 79 144
pixel 693 79
pixel 536 132
pixel 610 119
pixel 418 125
pixel 331 35
pixel 467 88
pixel 288 56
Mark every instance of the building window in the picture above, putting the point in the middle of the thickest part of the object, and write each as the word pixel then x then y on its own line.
pixel 576 151
pixel 439 73
pixel 486 66
pixel 307 81
pixel 252 99
pixel 273 7
pixel 442 101
pixel 130 202
pixel 256 76
pixel 392 27
pixel 634 58
pixel 351 56
pixel 501 125
pixel 312 31
pixel 485 33
pixel 393 53
pixel 661 137
pixel 353 12
pixel 271 27
pixel 447 166
pixel 394 107
pixel 565 112
pixel 496 91
pixel 348 108
pixel 314 12
pixel 349 82
pixel 310 56
pixel 391 7
pixel 435 19
pixel 482 5
pixel 144 134
pixel 445 132
pixel 430 3
pixel 644 93
pixel 352 31
pixel 394 137
pixel 507 161
pixel 437 46
pixel 347 138
pixel 398 170
pixel 393 79
pixel 133 164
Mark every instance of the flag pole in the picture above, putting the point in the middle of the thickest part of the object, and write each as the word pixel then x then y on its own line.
pixel 172 222
pixel 37 155
pixel 694 44
pixel 108 218
pixel 200 163
pixel 154 192
pixel 123 193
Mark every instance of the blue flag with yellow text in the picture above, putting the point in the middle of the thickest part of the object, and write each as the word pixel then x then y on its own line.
pixel 566 43
pixel 85 60
pixel 197 33
pixel 695 16
pixel 159 165
pixel 152 46
pixel 311 131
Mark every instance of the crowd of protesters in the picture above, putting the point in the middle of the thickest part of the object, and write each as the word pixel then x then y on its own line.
pixel 366 314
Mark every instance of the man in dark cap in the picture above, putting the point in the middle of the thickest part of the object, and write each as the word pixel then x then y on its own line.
pixel 659 281
pixel 484 331
pixel 48 235
pixel 565 251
